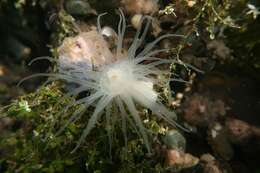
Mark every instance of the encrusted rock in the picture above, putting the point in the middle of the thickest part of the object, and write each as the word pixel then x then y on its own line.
pixel 140 6
pixel 88 49
pixel 179 159
pixel 219 141
pixel 174 140
pixel 210 164
pixel 201 111
pixel 238 131
pixel 79 7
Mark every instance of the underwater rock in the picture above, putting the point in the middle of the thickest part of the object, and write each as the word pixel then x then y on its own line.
pixel 211 168
pixel 207 158
pixel 238 131
pixel 201 111
pixel 256 131
pixel 219 141
pixel 140 6
pixel 179 160
pixel 88 49
pixel 176 158
pixel 220 51
pixel 174 140
pixel 241 132
pixel 210 164
pixel 79 7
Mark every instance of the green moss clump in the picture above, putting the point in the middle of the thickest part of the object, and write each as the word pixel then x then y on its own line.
pixel 30 145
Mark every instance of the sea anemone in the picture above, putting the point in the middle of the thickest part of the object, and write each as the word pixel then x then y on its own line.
pixel 119 80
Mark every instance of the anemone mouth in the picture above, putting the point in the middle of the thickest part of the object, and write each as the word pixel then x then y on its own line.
pixel 115 78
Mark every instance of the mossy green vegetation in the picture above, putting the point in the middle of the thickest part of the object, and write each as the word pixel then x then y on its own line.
pixel 32 146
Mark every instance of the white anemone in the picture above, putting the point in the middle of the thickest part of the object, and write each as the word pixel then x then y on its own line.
pixel 122 83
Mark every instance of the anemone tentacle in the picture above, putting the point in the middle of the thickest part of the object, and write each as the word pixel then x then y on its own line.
pixel 133 111
pixel 102 103
pixel 98 22
pixel 121 32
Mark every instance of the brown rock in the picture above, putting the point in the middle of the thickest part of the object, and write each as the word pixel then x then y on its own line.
pixel 238 131
pixel 140 6
pixel 210 164
pixel 180 159
pixel 201 111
